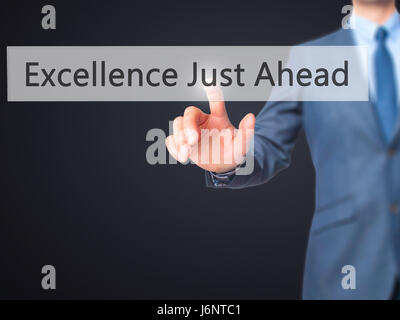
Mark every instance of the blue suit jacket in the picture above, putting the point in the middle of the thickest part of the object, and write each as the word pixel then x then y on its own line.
pixel 357 182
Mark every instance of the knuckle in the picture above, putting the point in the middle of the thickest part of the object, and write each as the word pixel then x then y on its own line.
pixel 177 119
pixel 189 110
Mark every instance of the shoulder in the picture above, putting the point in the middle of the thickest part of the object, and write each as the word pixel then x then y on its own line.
pixel 336 38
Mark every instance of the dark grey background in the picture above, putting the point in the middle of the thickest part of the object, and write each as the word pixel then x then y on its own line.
pixel 77 192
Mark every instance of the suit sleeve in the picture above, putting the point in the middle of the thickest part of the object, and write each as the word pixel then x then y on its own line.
pixel 276 130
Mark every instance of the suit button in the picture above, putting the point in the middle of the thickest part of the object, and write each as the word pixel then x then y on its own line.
pixel 391 152
pixel 394 208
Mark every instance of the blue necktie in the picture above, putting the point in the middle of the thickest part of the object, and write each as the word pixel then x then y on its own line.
pixel 386 97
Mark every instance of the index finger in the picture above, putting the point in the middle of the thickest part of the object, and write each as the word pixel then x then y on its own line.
pixel 216 101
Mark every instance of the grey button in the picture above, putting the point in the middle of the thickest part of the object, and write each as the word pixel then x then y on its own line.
pixel 394 208
pixel 220 185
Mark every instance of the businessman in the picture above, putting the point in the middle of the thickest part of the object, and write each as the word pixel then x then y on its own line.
pixel 355 151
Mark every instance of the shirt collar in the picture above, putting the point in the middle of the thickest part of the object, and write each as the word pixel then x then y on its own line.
pixel 366 28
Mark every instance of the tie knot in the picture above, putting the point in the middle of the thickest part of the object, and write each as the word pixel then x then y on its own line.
pixel 381 34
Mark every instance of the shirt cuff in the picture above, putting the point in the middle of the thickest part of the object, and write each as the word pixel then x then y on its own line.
pixel 223 179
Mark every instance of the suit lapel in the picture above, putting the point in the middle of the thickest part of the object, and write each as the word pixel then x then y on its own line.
pixel 396 132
